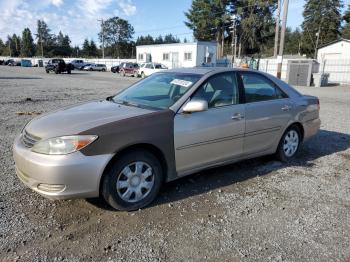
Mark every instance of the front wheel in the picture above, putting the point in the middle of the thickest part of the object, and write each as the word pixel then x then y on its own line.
pixel 133 182
pixel 47 71
pixel 142 75
pixel 289 144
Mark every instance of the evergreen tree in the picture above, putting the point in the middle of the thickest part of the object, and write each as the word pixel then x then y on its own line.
pixel 45 41
pixel 14 44
pixel 255 23
pixel 169 38
pixel 208 19
pixel 28 46
pixel 62 45
pixel 145 40
pixel 2 47
pixel 323 17
pixel 159 40
pixel 346 30
pixel 212 19
pixel 93 49
pixel 86 48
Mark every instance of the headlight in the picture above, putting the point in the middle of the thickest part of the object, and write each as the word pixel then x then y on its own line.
pixel 63 145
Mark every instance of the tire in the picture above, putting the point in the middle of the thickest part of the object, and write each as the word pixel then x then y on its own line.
pixel 142 75
pixel 103 70
pixel 90 69
pixel 116 183
pixel 288 149
pixel 57 71
pixel 69 72
pixel 123 74
pixel 47 71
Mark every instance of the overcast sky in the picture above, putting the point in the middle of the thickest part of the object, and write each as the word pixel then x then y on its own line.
pixel 78 18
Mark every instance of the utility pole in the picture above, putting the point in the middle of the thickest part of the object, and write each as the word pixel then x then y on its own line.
pixel 277 29
pixel 284 24
pixel 317 39
pixel 103 38
pixel 234 38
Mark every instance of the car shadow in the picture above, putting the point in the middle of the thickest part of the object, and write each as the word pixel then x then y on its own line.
pixel 324 143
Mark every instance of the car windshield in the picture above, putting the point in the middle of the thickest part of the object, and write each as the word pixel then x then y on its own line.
pixel 160 90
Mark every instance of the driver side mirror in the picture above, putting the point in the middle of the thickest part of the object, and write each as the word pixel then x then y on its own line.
pixel 195 106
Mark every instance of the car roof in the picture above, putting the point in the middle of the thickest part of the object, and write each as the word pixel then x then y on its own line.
pixel 205 70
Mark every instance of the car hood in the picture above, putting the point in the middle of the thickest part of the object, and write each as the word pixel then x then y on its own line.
pixel 78 118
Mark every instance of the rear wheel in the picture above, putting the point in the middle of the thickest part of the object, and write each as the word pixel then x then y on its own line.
pixel 68 71
pixel 133 182
pixel 47 71
pixel 289 144
pixel 142 75
pixel 103 70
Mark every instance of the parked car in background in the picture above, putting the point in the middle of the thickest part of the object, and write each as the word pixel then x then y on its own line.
pixel 148 69
pixel 58 66
pixel 95 67
pixel 115 69
pixel 130 69
pixel 12 62
pixel 169 125
pixel 78 64
pixel 26 63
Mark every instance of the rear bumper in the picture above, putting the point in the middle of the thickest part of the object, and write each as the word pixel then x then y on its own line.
pixel 311 128
pixel 59 176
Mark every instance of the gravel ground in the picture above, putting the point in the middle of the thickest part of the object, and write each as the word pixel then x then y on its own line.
pixel 259 209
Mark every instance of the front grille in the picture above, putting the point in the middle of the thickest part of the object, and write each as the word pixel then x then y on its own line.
pixel 28 139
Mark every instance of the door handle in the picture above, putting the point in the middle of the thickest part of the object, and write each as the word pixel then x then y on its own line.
pixel 286 108
pixel 237 117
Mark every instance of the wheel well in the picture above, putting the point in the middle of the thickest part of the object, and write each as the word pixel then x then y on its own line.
pixel 301 128
pixel 148 147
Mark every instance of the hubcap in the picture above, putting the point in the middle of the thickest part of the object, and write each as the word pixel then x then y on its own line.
pixel 135 182
pixel 291 143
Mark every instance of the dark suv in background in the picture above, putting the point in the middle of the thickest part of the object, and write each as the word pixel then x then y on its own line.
pixel 58 66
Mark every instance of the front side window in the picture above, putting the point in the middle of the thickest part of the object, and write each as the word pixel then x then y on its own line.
pixel 160 90
pixel 219 90
pixel 258 88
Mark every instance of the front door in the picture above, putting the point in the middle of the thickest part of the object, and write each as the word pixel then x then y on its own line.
pixel 213 136
pixel 267 112
pixel 175 60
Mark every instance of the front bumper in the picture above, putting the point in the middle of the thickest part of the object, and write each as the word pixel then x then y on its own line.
pixel 59 176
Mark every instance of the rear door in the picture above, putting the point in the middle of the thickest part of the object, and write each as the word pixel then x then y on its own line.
pixel 267 111
pixel 216 135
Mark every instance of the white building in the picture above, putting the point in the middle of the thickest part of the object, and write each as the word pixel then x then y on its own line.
pixel 339 49
pixel 178 54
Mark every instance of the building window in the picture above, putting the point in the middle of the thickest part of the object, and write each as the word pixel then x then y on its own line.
pixel 188 56
pixel 140 57
pixel 165 56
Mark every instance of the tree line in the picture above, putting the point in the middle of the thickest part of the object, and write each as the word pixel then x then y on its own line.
pixel 116 33
pixel 254 23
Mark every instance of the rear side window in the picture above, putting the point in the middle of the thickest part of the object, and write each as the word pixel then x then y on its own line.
pixel 219 90
pixel 258 88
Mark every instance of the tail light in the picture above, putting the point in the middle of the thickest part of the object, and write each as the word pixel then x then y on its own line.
pixel 318 104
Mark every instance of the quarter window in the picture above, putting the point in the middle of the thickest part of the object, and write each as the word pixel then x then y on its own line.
pixel 259 88
pixel 219 90
pixel 188 56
